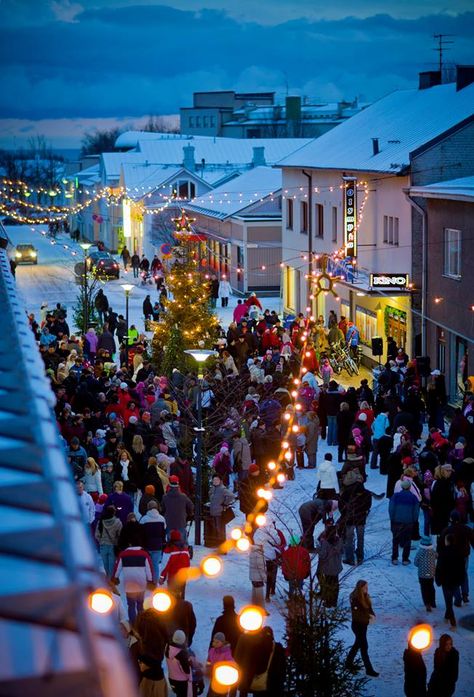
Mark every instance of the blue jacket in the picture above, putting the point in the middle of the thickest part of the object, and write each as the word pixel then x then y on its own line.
pixel 404 507
pixel 380 425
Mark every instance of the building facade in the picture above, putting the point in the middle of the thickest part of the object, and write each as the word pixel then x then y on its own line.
pixel 449 319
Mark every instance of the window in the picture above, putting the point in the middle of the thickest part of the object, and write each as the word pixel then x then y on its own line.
pixel 198 121
pixel 390 230
pixel 452 253
pixel 366 322
pixel 345 309
pixel 289 214
pixel 205 120
pixel 304 217
pixel 334 223
pixel 319 220
pixel 396 325
pixel 213 121
pixel 185 189
pixel 191 122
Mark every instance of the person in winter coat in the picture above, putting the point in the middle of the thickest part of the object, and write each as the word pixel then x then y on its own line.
pixel 154 537
pixel 311 433
pixel 415 672
pixel 181 616
pixel 86 503
pixel 425 560
pixel 122 502
pixel 220 498
pixel 213 290
pixel 252 655
pixel 228 623
pixel 311 512
pixel 91 338
pixel 330 549
pixel 450 573
pixel 404 509
pixel 177 508
pixel 326 478
pixel 147 496
pixel 135 260
pixel 107 535
pixel 248 488
pixel 446 669
pixel 92 479
pixel 133 570
pixel 345 419
pixel 270 540
pixel 221 464
pixel 106 341
pixel 220 651
pixel 257 574
pixel 126 258
pixel 224 291
pixel 147 308
pixel 149 653
pixel 379 428
pixel 176 561
pixel 179 666
pixel 354 506
pixel 463 536
pixel 295 565
pixel 332 401
pixel 442 498
pixel 101 304
pixel 241 455
pixel 362 612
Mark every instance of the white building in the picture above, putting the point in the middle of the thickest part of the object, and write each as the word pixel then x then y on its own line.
pixel 370 152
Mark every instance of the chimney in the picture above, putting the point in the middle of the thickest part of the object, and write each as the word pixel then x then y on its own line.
pixel 430 78
pixel 258 157
pixel 188 160
pixel 375 146
pixel 464 76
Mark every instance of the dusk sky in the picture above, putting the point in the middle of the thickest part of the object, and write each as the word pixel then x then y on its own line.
pixel 101 62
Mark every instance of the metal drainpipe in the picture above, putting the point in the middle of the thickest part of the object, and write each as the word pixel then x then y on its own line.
pixel 424 269
pixel 310 232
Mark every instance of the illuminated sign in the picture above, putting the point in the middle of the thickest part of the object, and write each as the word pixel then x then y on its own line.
pixel 350 217
pixel 387 281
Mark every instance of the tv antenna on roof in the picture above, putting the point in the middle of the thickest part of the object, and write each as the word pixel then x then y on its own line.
pixel 443 41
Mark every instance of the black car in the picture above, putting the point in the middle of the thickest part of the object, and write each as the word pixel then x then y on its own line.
pixel 26 254
pixel 103 264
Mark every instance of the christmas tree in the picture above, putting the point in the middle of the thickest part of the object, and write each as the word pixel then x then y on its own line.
pixel 188 322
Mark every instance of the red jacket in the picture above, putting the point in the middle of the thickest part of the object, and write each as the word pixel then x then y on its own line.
pixel 295 563
pixel 178 559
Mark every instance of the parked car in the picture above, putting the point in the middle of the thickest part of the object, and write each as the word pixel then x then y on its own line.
pixel 103 265
pixel 26 254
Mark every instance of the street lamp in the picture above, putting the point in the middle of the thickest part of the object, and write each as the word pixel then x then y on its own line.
pixel 128 287
pixel 200 356
pixel 225 676
pixel 85 310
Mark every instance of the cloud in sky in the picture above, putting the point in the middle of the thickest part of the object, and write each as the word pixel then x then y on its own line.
pixel 109 58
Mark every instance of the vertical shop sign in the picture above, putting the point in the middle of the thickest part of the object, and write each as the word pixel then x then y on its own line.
pixel 350 217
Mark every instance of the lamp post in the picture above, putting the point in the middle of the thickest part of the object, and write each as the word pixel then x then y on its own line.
pixel 128 287
pixel 85 310
pixel 200 356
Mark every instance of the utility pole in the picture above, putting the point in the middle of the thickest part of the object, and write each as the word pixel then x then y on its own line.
pixel 441 48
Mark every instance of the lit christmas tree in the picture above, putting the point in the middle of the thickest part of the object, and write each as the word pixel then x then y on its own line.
pixel 188 322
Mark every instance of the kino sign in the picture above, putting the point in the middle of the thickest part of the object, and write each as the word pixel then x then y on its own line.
pixel 389 281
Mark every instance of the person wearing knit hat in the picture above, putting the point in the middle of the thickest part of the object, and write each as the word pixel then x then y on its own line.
pixel 404 509
pixel 179 667
pixel 425 560
pixel 147 496
pixel 174 481
pixel 405 484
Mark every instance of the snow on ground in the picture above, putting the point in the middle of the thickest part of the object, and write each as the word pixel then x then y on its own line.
pixel 394 590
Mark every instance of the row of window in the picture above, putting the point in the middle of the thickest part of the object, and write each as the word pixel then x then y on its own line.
pixel 318 223
pixel 391 224
pixel 206 121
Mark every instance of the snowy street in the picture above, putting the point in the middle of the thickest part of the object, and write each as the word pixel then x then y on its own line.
pixel 394 590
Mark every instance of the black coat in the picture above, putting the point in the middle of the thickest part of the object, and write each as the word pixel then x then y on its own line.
pixel 228 624
pixel 354 504
pixel 445 674
pixel 181 617
pixel 450 568
pixel 252 655
pixel 415 673
pixel 442 503
pixel 345 419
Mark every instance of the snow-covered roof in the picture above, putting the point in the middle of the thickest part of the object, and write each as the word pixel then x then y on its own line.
pixel 129 139
pixel 111 162
pixel 236 196
pixel 454 189
pixel 146 176
pixel 220 151
pixel 402 122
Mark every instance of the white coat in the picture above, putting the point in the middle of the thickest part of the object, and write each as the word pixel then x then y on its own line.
pixel 326 474
pixel 224 289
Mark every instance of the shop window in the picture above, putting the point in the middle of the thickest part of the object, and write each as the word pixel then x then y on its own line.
pixel 396 325
pixel 391 230
pixel 289 214
pixel 345 309
pixel 441 357
pixel 334 223
pixel 304 217
pixel 462 368
pixel 319 220
pixel 452 253
pixel 366 323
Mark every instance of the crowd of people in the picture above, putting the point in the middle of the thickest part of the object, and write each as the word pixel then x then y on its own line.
pixel 269 402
